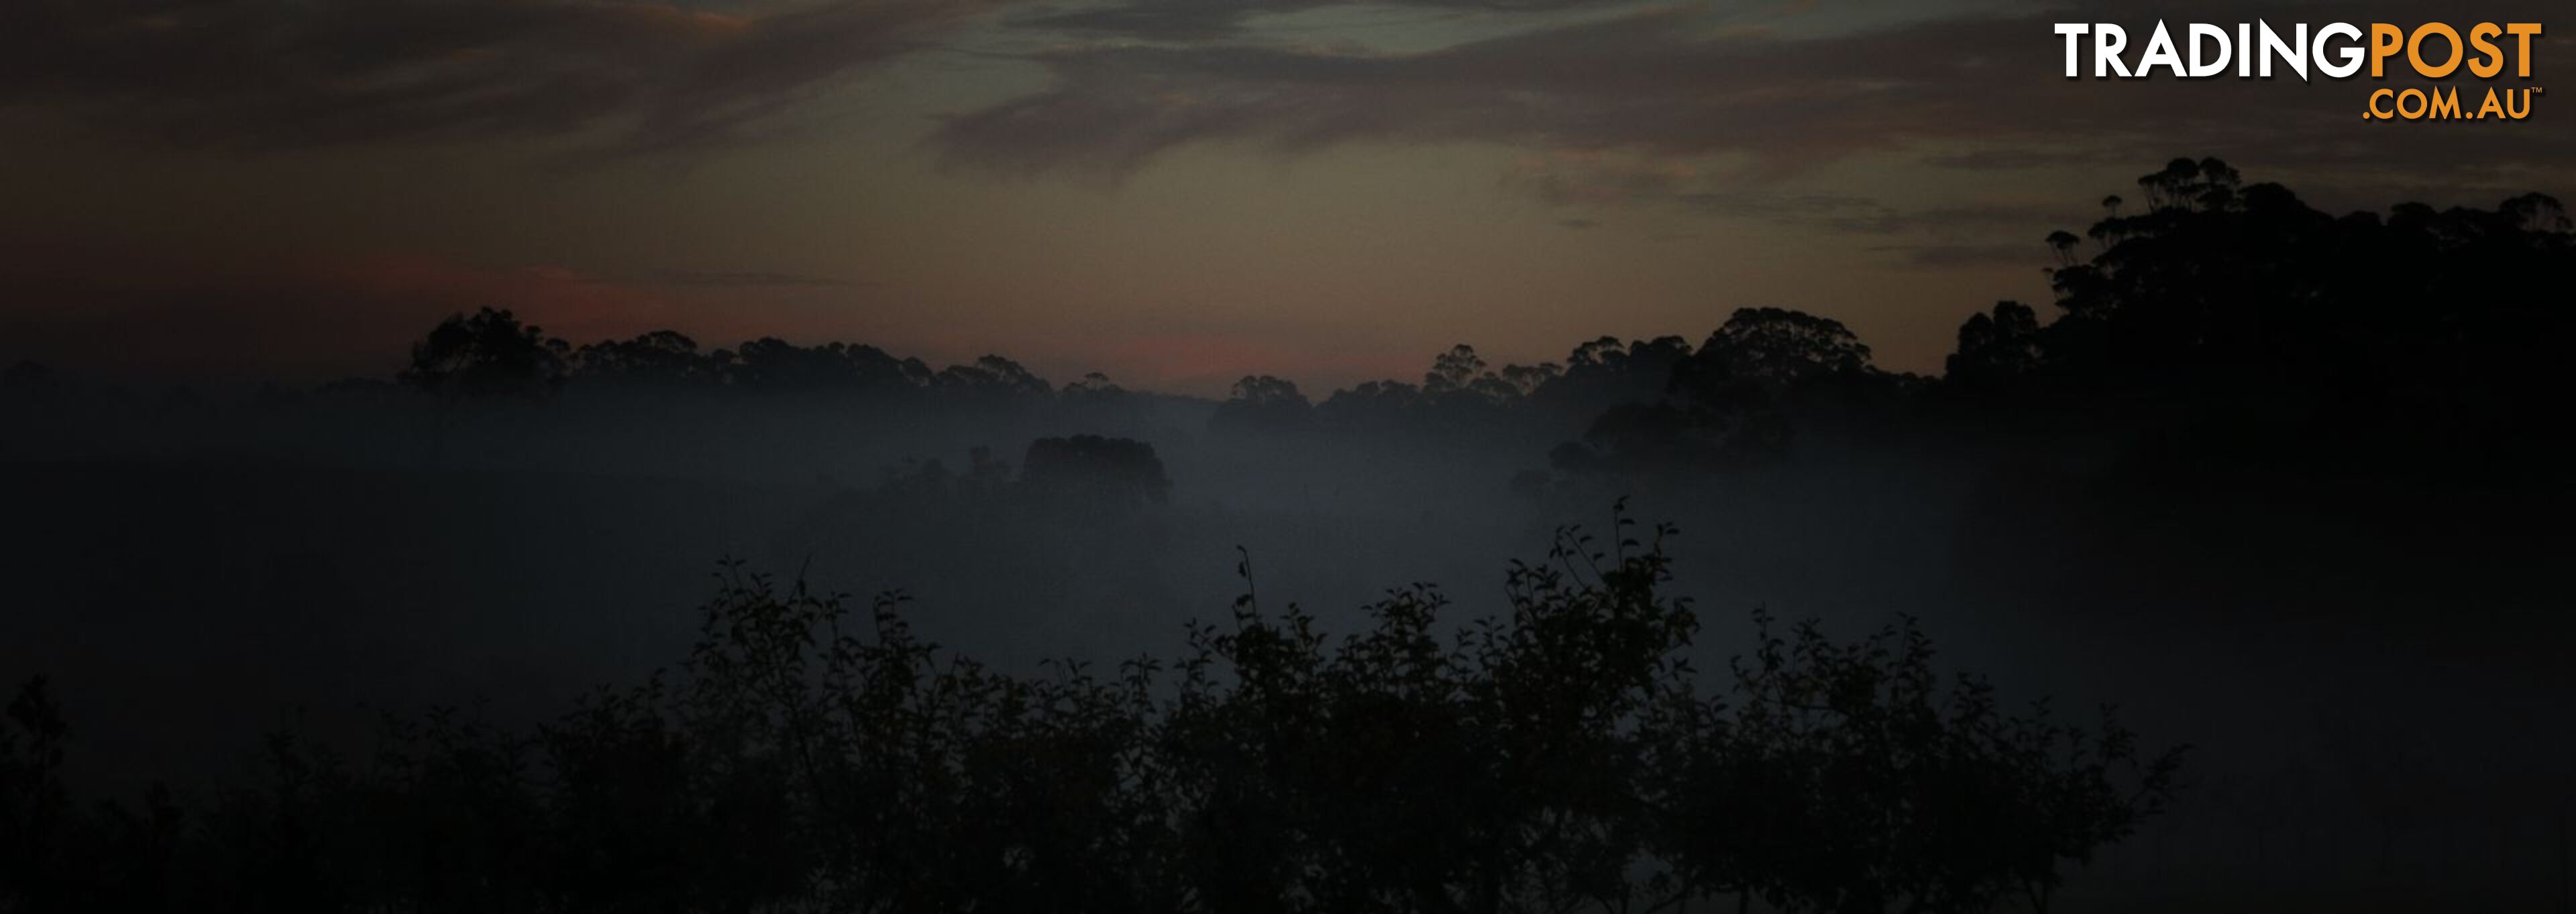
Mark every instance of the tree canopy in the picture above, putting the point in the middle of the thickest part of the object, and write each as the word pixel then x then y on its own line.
pixel 1562 754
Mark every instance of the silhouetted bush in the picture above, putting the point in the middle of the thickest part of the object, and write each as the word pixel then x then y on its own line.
pixel 489 354
pixel 2243 327
pixel 1094 471
pixel 1261 403
pixel 813 753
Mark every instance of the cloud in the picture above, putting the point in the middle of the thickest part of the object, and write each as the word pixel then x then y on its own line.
pixel 1185 20
pixel 2013 159
pixel 289 73
pixel 1686 87
pixel 1653 82
pixel 1961 90
pixel 741 279
pixel 1598 180
pixel 1947 256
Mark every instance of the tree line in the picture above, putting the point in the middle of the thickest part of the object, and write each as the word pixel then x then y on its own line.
pixel 2227 316
pixel 2226 320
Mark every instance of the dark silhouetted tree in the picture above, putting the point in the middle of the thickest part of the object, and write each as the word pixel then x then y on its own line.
pixel 1605 372
pixel 662 358
pixel 1094 389
pixel 991 376
pixel 2064 242
pixel 2245 326
pixel 489 354
pixel 1452 371
pixel 1778 349
pixel 1372 405
pixel 1094 470
pixel 1263 402
pixel 1996 349
pixel 771 365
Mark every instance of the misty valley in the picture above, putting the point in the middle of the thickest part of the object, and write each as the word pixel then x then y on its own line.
pixel 2231 579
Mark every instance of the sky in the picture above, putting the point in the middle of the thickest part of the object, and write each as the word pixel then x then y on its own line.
pixel 1172 192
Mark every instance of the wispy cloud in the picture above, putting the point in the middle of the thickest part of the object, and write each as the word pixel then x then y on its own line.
pixel 742 279
pixel 1184 20
pixel 285 73
pixel 1685 86
pixel 1946 256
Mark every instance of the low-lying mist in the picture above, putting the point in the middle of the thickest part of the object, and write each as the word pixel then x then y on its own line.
pixel 2326 560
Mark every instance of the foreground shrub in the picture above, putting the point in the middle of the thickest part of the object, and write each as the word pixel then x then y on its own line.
pixel 813 754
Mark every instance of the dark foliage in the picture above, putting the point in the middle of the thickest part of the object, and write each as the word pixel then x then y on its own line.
pixel 2221 327
pixel 1094 471
pixel 2227 328
pixel 2419 340
pixel 813 753
pixel 489 354
pixel 1261 403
